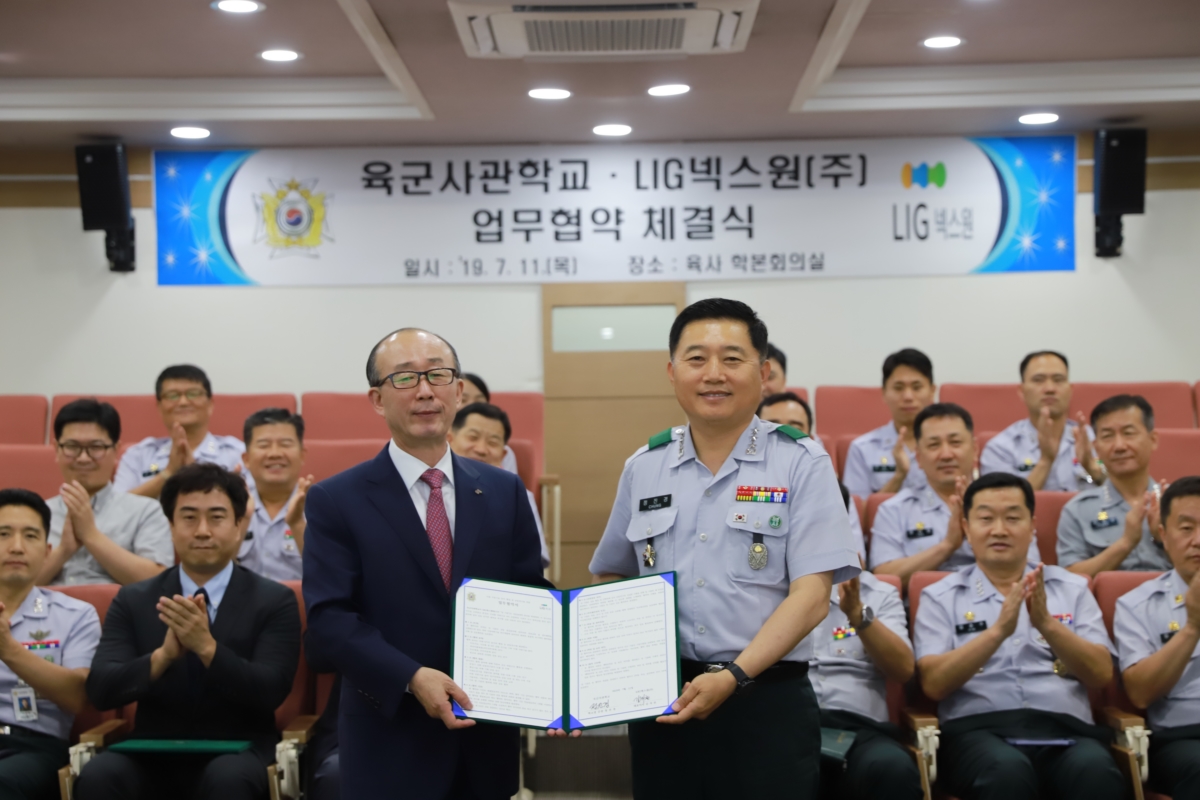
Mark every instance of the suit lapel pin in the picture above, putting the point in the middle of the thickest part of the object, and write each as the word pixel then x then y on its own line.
pixel 479 491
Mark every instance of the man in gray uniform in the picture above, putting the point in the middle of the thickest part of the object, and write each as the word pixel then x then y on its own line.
pixel 98 534
pixel 856 649
pixel 1009 650
pixel 274 457
pixel 1157 628
pixel 47 641
pixel 882 460
pixel 1051 452
pixel 1113 526
pixel 185 402
pixel 750 517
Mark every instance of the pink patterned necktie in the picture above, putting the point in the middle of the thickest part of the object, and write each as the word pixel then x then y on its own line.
pixel 437 524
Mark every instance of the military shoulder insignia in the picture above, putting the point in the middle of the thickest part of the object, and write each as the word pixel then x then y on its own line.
pixel 795 433
pixel 661 438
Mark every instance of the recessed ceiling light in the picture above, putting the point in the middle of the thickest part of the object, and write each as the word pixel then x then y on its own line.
pixel 1041 118
pixel 238 6
pixel 279 55
pixel 612 130
pixel 189 133
pixel 940 42
pixel 549 94
pixel 669 89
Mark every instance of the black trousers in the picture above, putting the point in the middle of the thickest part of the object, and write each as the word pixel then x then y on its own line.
pixel 764 745
pixel 976 763
pixel 29 766
pixel 151 776
pixel 1175 762
pixel 877 767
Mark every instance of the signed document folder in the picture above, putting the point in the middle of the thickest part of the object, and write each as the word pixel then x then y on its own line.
pixel 569 658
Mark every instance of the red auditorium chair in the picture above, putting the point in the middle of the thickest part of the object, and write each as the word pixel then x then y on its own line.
pixel 873 503
pixel 527 463
pixel 341 415
pixel 993 406
pixel 100 595
pixel 860 505
pixel 1178 454
pixel 1172 400
pixel 1047 508
pixel 526 411
pixel 230 410
pixel 139 414
pixel 849 409
pixel 23 419
pixel 29 466
pixel 981 440
pixel 841 446
pixel 326 459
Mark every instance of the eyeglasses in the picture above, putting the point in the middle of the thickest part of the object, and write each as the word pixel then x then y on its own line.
pixel 94 449
pixel 190 394
pixel 442 376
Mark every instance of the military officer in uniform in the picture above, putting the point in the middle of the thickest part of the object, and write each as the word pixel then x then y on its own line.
pixel 1051 452
pixel 856 649
pixel 185 402
pixel 1157 628
pixel 1009 650
pixel 1113 526
pixel 750 517
pixel 274 458
pixel 47 641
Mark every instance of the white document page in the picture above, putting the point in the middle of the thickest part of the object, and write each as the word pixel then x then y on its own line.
pixel 508 653
pixel 623 654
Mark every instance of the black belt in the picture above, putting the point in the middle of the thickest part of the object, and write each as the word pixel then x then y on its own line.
pixel 24 733
pixel 781 671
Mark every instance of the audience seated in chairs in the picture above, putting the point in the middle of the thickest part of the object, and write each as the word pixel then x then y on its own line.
pixel 207 650
pixel 883 459
pixel 185 401
pixel 98 534
pixel 46 645
pixel 1009 650
pixel 274 457
pixel 1114 526
pixel 481 431
pixel 1051 452
pixel 1157 628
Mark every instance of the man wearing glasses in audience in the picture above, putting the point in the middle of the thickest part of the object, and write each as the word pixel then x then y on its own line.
pixel 185 403
pixel 98 534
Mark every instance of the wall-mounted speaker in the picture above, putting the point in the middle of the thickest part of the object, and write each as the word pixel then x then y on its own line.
pixel 104 200
pixel 1119 184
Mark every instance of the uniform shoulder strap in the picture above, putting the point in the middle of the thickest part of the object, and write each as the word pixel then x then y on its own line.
pixel 660 438
pixel 795 433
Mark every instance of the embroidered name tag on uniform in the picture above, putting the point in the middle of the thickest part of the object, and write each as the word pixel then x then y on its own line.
pixel 654 503
pixel 1166 637
pixel 1026 467
pixel 762 494
pixel 844 633
pixel 919 531
pixel 150 473
pixel 883 468
pixel 971 627
pixel 1103 520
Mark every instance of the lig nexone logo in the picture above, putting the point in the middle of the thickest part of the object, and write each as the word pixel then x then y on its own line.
pixel 923 175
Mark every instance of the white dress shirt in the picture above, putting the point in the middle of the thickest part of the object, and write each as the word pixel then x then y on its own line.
pixel 412 468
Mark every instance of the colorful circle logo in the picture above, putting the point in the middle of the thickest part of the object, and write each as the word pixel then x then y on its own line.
pixel 923 175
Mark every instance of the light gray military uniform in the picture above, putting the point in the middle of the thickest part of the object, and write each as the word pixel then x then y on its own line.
pixel 135 523
pixel 1020 674
pixel 269 548
pixel 869 463
pixel 912 522
pixel 60 629
pixel 692 521
pixel 1146 619
pixel 842 674
pixel 149 457
pixel 1016 450
pixel 1091 521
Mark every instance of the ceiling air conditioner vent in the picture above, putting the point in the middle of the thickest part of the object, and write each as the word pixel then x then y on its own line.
pixel 603 29
pixel 604 35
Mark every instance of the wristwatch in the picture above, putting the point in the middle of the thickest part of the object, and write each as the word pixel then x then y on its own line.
pixel 744 682
pixel 868 616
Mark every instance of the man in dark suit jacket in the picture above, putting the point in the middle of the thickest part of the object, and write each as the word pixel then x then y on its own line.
pixel 207 650
pixel 387 541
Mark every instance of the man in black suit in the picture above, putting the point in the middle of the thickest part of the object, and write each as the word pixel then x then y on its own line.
pixel 206 649
pixel 387 543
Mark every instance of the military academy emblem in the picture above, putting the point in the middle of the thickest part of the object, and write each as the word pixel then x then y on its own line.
pixel 292 218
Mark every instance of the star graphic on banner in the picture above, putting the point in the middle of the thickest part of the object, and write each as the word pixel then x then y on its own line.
pixel 207 175
pixel 172 171
pixel 202 256
pixel 169 258
pixel 184 211
pixel 1027 244
pixel 1056 157
pixel 1060 244
pixel 1020 162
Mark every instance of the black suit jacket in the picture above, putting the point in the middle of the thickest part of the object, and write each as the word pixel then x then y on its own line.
pixel 378 611
pixel 258 647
